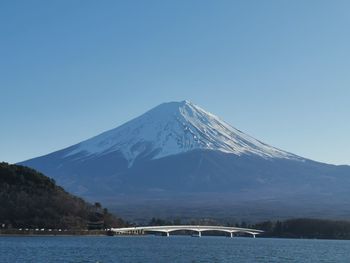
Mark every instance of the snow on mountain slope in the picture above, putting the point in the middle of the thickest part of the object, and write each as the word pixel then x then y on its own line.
pixel 173 128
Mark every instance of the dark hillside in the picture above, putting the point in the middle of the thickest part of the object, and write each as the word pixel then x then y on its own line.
pixel 30 199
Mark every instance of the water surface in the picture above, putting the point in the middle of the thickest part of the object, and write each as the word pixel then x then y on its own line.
pixel 152 249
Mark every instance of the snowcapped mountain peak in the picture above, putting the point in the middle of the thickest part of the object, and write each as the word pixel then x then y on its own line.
pixel 173 128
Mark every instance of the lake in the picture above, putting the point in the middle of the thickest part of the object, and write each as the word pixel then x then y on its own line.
pixel 170 249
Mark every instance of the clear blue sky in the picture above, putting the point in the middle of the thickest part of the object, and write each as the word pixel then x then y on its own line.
pixel 278 70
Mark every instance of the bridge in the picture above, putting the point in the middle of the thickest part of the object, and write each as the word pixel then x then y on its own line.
pixel 199 229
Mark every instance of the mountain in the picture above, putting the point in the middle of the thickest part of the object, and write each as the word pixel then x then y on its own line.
pixel 174 128
pixel 31 200
pixel 178 159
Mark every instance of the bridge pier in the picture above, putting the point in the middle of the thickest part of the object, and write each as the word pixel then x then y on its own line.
pixel 167 234
pixel 231 234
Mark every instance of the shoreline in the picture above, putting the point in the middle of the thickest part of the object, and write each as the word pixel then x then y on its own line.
pixel 142 235
pixel 32 232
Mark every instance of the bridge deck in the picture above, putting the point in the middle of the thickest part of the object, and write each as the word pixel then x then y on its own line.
pixel 196 228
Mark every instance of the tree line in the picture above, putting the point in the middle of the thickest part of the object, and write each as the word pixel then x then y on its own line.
pixel 290 228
